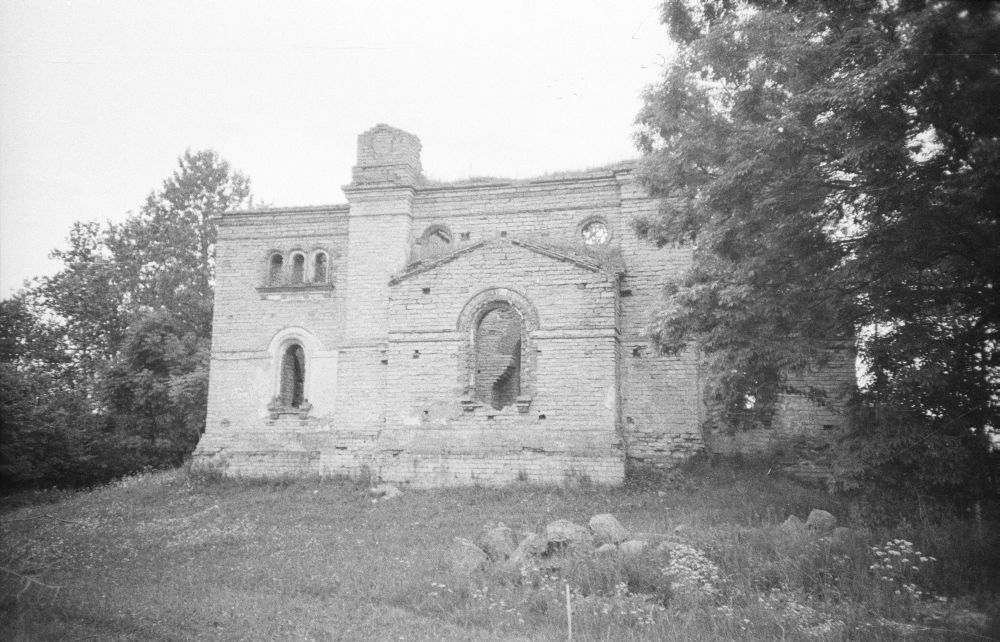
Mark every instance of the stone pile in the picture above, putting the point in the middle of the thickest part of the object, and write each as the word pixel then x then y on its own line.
pixel 499 544
pixel 820 523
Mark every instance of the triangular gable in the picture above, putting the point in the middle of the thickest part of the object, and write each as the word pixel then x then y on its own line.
pixel 558 253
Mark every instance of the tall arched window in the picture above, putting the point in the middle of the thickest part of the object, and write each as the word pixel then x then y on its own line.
pixel 298 267
pixel 498 343
pixel 293 376
pixel 275 267
pixel 319 268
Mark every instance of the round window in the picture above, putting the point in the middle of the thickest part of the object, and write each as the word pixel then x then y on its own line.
pixel 595 233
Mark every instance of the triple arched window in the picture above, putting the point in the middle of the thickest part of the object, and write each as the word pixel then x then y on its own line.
pixel 297 268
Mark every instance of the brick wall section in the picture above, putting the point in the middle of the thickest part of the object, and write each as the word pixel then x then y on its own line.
pixel 803 433
pixel 248 316
pixel 569 426
pixel 388 372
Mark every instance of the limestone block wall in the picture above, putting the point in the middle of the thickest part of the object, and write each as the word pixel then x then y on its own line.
pixel 252 321
pixel 390 387
pixel 660 397
pixel 435 431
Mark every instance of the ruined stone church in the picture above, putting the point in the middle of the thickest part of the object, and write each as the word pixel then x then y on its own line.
pixel 475 332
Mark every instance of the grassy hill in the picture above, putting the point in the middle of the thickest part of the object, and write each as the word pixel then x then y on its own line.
pixel 168 556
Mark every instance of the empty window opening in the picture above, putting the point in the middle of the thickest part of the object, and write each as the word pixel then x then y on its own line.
pixel 426 290
pixel 595 233
pixel 319 268
pixel 498 357
pixel 298 268
pixel 275 268
pixel 293 376
pixel 435 240
pixel 465 235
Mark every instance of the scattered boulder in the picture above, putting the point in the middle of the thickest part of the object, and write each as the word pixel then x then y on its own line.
pixel 466 558
pixel 607 529
pixel 581 547
pixel 498 541
pixel 633 546
pixel 534 545
pixel 793 526
pixel 820 521
pixel 563 531
pixel 385 491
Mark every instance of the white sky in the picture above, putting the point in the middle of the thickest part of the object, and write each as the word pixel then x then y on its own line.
pixel 98 98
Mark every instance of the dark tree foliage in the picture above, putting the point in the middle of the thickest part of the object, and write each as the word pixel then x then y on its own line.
pixel 837 166
pixel 105 364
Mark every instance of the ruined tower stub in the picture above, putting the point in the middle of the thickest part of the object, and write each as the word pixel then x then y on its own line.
pixel 379 222
pixel 387 156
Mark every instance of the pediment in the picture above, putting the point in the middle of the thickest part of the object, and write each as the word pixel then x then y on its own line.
pixel 578 259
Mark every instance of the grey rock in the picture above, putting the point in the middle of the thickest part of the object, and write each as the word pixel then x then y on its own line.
pixel 466 558
pixel 820 521
pixel 385 491
pixel 532 546
pixel 498 541
pixel 565 531
pixel 793 526
pixel 606 549
pixel 581 547
pixel 607 529
pixel 633 546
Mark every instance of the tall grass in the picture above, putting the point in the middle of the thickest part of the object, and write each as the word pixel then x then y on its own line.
pixel 180 556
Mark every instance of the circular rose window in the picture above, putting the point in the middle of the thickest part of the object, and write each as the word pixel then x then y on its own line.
pixel 595 233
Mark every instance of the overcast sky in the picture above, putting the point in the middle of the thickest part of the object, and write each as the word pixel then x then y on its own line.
pixel 98 98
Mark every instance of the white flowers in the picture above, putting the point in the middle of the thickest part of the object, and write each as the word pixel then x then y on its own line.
pixel 690 569
pixel 896 562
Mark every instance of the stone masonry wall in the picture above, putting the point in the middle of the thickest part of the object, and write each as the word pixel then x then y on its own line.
pixel 388 336
pixel 568 425
pixel 250 320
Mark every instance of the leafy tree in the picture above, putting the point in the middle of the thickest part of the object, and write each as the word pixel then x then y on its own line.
pixel 105 364
pixel 837 165
pixel 167 251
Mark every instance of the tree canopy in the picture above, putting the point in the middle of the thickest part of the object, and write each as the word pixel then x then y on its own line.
pixel 105 363
pixel 837 166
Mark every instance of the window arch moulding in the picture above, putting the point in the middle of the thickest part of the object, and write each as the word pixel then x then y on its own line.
pixel 497 354
pixel 594 232
pixel 435 240
pixel 292 353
